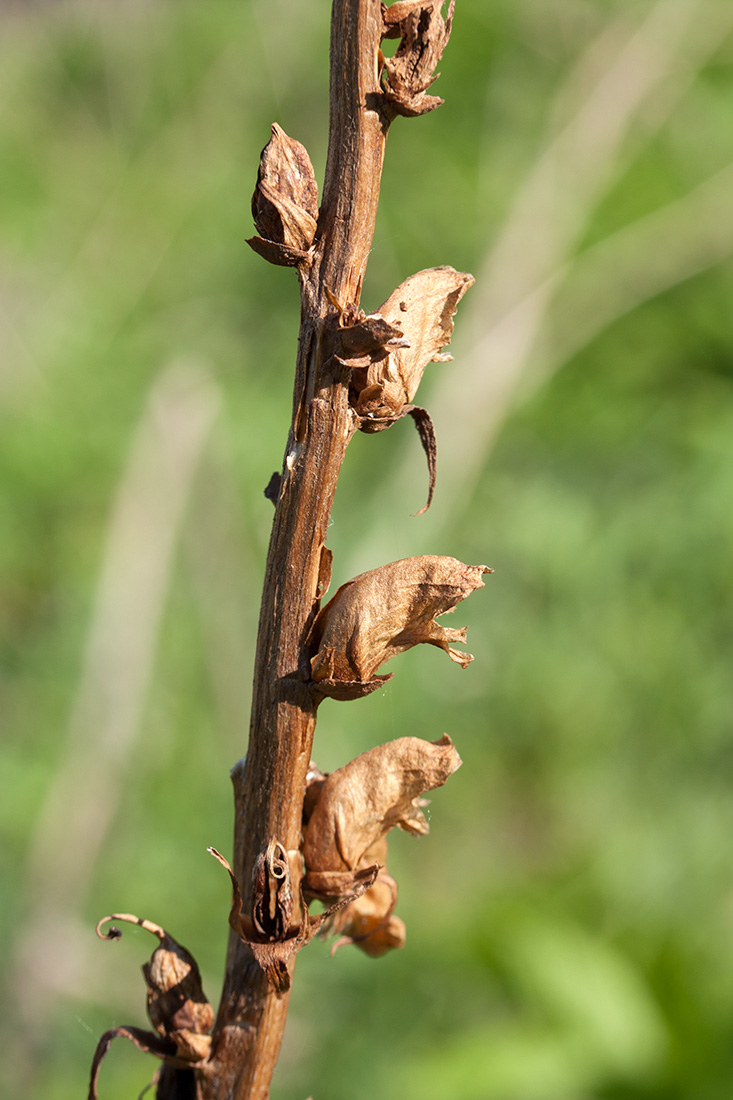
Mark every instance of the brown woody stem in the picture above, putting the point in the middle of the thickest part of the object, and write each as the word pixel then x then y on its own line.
pixel 269 785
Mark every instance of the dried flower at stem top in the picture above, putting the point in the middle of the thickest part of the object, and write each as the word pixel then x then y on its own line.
pixel 424 34
pixel 385 612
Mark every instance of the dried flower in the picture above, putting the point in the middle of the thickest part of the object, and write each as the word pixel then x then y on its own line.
pixel 408 331
pixel 346 831
pixel 385 612
pixel 389 350
pixel 424 34
pixel 177 1007
pixel 285 201
pixel 359 803
pixel 269 933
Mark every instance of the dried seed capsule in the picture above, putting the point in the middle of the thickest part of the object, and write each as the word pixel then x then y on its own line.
pixel 268 932
pixel 285 201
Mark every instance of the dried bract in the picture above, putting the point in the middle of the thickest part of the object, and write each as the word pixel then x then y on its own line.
pixel 177 1007
pixel 385 612
pixel 424 34
pixel 285 201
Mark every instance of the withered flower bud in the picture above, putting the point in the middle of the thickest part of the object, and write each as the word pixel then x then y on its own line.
pixel 424 34
pixel 385 612
pixel 285 201
pixel 177 1007
pixel 389 350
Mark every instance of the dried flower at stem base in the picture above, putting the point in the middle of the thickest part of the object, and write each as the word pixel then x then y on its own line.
pixel 361 802
pixel 355 808
pixel 269 934
pixel 385 612
pixel 177 1007
pixel 285 201
pixel 424 34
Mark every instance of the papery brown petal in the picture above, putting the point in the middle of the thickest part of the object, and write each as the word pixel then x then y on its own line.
pixel 372 936
pixel 285 201
pixel 424 35
pixel 362 801
pixel 176 1001
pixel 387 611
pixel 384 378
pixel 423 307
pixel 338 888
pixel 395 14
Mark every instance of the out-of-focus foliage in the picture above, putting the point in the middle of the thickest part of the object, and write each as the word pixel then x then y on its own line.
pixel 570 918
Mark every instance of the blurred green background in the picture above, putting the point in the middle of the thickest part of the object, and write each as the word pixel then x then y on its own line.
pixel 570 918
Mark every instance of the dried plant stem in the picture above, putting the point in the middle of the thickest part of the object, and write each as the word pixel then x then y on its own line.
pixel 353 371
pixel 269 785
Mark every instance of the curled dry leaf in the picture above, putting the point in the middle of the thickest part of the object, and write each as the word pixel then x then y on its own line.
pixel 388 352
pixel 424 34
pixel 269 934
pixel 285 201
pixel 177 1006
pixel 385 612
